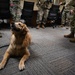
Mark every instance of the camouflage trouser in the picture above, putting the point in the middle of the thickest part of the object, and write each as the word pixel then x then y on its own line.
pixel 66 16
pixel 70 20
pixel 15 9
pixel 72 24
pixel 63 17
pixel 42 16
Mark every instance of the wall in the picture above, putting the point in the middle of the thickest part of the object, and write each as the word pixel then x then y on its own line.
pixel 61 0
pixel 56 2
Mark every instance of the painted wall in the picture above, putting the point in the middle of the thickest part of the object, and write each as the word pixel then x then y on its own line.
pixel 56 2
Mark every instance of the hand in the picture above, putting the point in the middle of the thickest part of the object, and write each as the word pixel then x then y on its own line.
pixel 71 11
pixel 60 3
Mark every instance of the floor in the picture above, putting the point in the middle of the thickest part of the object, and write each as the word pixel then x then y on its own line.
pixel 51 53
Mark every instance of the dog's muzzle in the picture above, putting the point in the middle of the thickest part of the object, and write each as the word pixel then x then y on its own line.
pixel 13 27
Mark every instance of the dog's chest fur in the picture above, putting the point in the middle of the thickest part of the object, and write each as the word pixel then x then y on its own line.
pixel 18 46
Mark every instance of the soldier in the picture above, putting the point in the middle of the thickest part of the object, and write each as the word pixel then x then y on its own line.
pixel 43 6
pixel 72 24
pixel 63 13
pixel 66 12
pixel 15 10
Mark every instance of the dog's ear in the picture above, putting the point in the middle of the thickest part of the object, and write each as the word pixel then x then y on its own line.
pixel 26 28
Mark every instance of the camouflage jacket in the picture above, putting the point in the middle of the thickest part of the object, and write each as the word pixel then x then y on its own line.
pixel 15 9
pixel 72 3
pixel 43 4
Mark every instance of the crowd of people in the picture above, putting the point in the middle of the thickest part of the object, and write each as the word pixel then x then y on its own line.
pixel 71 6
pixel 43 10
pixel 43 14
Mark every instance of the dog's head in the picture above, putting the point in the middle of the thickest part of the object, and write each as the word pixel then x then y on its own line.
pixel 19 28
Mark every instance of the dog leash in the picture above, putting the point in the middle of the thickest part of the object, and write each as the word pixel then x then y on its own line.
pixel 4 46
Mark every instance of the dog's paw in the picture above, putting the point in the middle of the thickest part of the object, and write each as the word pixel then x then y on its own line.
pixel 1 66
pixel 21 67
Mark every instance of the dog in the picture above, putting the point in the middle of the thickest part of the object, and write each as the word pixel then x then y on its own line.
pixel 20 40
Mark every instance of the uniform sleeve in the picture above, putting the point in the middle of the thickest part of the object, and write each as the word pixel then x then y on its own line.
pixel 38 3
pixel 63 3
pixel 72 3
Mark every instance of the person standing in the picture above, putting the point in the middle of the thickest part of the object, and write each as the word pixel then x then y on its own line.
pixel 43 6
pixel 66 10
pixel 15 9
pixel 72 23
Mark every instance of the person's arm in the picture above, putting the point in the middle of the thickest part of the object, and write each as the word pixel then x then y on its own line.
pixel 71 3
pixel 63 3
pixel 38 3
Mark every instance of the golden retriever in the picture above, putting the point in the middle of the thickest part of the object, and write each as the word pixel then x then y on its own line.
pixel 19 43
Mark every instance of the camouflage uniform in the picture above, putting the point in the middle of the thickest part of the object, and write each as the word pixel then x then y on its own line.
pixel 72 23
pixel 72 19
pixel 15 9
pixel 66 12
pixel 42 15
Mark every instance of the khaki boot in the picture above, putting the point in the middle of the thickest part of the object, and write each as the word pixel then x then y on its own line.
pixel 43 26
pixel 72 40
pixel 71 35
pixel 38 26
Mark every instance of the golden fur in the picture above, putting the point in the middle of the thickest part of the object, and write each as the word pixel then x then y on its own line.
pixel 19 43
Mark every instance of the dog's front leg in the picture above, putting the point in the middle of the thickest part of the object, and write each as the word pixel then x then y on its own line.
pixel 23 59
pixel 5 58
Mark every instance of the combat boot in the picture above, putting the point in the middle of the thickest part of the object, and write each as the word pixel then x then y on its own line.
pixel 72 40
pixel 43 26
pixel 38 26
pixel 71 35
